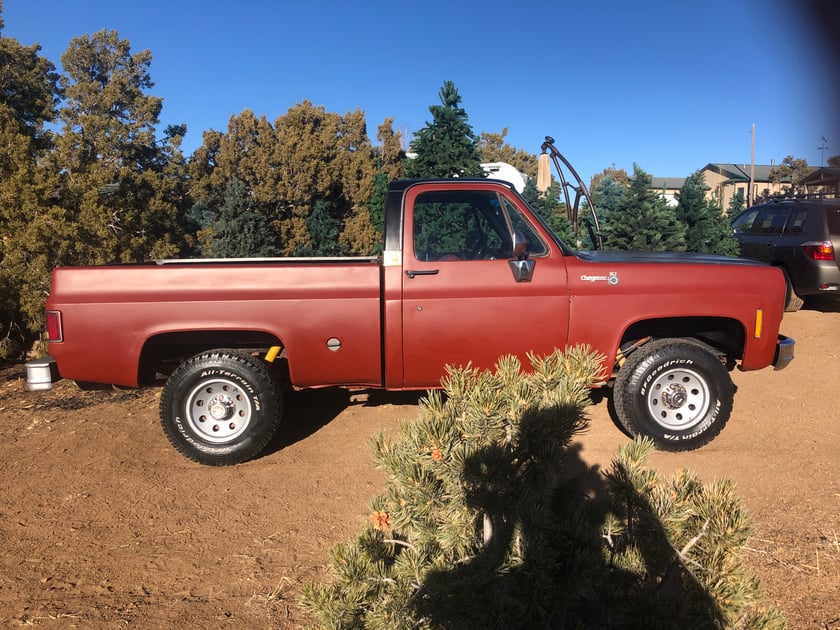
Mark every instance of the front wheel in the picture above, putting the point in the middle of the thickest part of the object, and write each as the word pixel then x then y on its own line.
pixel 676 392
pixel 220 407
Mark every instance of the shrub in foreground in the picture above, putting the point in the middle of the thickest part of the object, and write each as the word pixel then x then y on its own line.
pixel 490 519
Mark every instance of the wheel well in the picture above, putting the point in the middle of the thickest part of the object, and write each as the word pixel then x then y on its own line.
pixel 723 335
pixel 163 353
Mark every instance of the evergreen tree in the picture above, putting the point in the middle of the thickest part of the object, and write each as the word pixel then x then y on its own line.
pixel 736 205
pixel 28 87
pixel 609 192
pixel 446 146
pixel 390 154
pixel 307 155
pixel 112 166
pixel 617 175
pixel 792 170
pixel 377 208
pixel 644 221
pixel 707 228
pixel 389 166
pixel 323 232
pixel 34 229
pixel 488 519
pixel 238 229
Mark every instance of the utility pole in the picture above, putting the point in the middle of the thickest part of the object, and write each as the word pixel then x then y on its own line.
pixel 822 149
pixel 752 168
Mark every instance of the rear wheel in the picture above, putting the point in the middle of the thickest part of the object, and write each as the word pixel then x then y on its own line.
pixel 220 407
pixel 676 392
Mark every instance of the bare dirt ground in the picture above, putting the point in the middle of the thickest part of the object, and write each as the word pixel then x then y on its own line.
pixel 104 525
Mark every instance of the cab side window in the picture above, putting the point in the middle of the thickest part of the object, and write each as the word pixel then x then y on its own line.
pixel 459 225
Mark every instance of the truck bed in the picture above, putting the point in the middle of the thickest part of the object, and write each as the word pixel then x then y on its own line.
pixel 302 303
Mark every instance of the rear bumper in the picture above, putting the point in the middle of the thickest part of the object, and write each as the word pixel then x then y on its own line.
pixel 41 374
pixel 784 352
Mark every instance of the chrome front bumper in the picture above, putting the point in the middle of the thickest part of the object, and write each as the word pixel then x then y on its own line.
pixel 784 352
pixel 41 374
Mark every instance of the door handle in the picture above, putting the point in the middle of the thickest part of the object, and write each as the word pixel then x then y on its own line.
pixel 421 272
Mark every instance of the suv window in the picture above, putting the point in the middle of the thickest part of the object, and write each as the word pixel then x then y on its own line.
pixel 743 223
pixel 770 221
pixel 796 222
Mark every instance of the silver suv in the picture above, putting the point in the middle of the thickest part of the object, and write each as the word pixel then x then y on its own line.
pixel 801 237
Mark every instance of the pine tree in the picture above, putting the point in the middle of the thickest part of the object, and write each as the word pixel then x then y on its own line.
pixel 389 154
pixel 34 228
pixel 238 229
pixel 113 168
pixel 323 231
pixel 617 175
pixel 446 146
pixel 608 194
pixel 707 228
pixel 791 170
pixel 736 205
pixel 643 220
pixel 488 519
pixel 306 155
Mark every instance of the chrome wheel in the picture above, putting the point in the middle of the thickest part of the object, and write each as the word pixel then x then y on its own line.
pixel 218 411
pixel 678 399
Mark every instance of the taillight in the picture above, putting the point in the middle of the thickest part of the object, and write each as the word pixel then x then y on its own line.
pixel 54 332
pixel 819 251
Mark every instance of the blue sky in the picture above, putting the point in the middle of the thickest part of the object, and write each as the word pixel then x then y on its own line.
pixel 668 85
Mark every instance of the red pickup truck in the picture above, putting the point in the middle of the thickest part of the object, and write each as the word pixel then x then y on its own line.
pixel 469 272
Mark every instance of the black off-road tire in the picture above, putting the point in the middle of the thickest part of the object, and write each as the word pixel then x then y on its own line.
pixel 220 407
pixel 676 392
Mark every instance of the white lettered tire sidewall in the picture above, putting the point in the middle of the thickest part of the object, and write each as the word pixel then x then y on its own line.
pixel 220 407
pixel 677 392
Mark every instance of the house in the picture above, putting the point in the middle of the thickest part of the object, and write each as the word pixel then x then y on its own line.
pixel 727 180
pixel 824 180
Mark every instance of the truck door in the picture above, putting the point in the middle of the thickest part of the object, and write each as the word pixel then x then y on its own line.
pixel 461 300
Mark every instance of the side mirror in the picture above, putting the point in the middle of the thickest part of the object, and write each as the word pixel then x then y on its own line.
pixel 520 245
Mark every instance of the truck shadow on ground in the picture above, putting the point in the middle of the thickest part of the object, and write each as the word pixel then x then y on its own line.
pixel 307 411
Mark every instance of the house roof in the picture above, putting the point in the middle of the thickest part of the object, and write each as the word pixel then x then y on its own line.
pixel 825 175
pixel 741 172
pixel 667 183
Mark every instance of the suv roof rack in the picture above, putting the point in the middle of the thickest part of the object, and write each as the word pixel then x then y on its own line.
pixel 829 194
